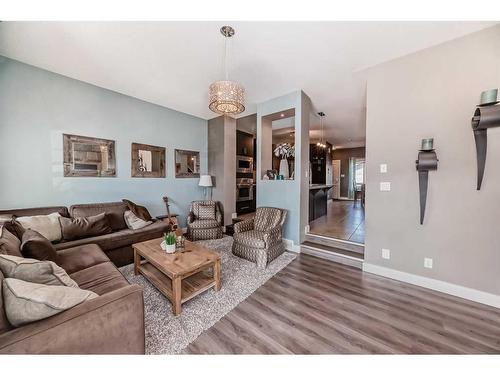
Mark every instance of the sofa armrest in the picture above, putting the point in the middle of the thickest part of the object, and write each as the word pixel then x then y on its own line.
pixel 273 236
pixel 243 226
pixel 109 324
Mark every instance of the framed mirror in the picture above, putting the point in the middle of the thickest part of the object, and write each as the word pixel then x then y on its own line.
pixel 187 164
pixel 147 161
pixel 88 157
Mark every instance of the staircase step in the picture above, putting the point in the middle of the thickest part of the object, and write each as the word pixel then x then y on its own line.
pixel 349 258
pixel 336 243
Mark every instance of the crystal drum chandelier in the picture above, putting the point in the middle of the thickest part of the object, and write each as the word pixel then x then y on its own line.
pixel 226 97
pixel 321 142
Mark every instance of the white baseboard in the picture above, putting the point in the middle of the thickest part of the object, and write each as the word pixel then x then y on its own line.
pixel 438 285
pixel 290 246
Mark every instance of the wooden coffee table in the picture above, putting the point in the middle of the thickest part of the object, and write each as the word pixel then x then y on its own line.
pixel 179 276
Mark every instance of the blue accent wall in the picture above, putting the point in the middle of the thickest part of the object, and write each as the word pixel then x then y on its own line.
pixel 37 107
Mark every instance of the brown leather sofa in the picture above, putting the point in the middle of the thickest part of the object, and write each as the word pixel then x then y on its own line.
pixel 110 323
pixel 118 244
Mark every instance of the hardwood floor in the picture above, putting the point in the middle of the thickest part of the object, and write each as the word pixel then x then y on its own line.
pixel 314 306
pixel 344 220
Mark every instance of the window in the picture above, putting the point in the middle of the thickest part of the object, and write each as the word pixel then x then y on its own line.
pixel 359 171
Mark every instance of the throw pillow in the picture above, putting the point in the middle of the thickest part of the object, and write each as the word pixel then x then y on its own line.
pixel 5 219
pixel 47 225
pixel 35 271
pixel 15 228
pixel 134 222
pixel 36 246
pixel 82 227
pixel 206 211
pixel 140 211
pixel 9 244
pixel 27 302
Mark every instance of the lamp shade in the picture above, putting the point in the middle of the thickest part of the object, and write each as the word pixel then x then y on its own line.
pixel 205 180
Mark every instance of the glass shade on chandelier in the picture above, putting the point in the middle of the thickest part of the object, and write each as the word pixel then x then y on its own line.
pixel 226 97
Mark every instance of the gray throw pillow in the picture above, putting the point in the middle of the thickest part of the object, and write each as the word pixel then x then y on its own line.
pixel 9 244
pixel 35 271
pixel 26 302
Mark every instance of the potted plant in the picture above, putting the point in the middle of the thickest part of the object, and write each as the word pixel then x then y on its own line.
pixel 284 150
pixel 168 243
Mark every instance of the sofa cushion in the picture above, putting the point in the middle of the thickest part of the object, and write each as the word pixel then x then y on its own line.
pixel 36 246
pixel 267 218
pixel 78 258
pixel 47 225
pixel 139 211
pixel 26 302
pixel 101 278
pixel 35 271
pixel 121 238
pixel 135 222
pixel 9 244
pixel 4 323
pixel 114 211
pixel 251 238
pixel 204 224
pixel 82 227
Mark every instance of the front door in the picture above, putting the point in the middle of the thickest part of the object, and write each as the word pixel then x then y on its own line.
pixel 336 179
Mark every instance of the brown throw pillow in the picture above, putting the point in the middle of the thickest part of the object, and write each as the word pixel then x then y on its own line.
pixel 140 211
pixel 36 246
pixel 9 244
pixel 83 227
pixel 15 228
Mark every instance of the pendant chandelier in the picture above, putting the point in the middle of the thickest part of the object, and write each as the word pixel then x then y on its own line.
pixel 321 143
pixel 226 97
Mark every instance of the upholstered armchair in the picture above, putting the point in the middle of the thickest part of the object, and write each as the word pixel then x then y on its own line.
pixel 204 221
pixel 260 240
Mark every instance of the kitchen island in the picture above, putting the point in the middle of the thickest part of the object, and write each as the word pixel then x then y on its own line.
pixel 318 198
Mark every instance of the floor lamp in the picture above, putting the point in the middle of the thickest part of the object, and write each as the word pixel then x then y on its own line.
pixel 206 182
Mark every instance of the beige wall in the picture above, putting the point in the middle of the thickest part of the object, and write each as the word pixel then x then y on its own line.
pixel 433 93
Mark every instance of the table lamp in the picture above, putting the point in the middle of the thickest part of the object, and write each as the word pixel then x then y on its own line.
pixel 206 182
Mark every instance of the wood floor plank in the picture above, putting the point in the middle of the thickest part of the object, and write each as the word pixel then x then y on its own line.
pixel 314 306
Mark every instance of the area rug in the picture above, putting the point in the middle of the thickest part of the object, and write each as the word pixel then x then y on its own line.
pixel 168 334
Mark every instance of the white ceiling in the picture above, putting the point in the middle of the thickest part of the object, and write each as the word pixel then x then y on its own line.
pixel 173 63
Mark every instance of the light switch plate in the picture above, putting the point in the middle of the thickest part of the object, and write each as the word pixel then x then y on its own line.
pixel 383 168
pixel 234 215
pixel 428 262
pixel 385 186
pixel 386 253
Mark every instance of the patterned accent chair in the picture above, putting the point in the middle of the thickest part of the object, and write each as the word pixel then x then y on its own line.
pixel 260 240
pixel 204 221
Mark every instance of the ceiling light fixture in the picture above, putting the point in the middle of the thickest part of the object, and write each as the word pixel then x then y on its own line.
pixel 226 97
pixel 321 142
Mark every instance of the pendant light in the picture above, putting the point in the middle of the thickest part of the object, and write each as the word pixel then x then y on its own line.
pixel 321 142
pixel 226 97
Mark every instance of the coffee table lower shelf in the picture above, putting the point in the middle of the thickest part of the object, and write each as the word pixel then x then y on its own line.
pixel 190 286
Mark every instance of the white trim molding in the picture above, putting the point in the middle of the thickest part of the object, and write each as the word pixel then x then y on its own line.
pixel 438 285
pixel 290 246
